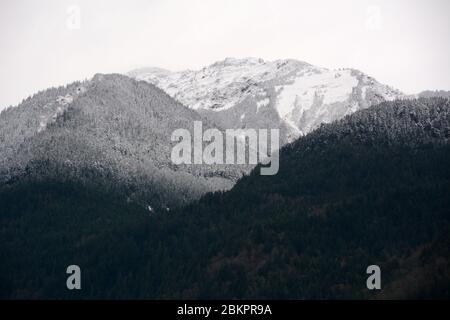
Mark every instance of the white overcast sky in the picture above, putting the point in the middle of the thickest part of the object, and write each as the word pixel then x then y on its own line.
pixel 403 43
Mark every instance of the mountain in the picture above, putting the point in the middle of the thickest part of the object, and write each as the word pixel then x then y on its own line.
pixel 370 189
pixel 111 131
pixel 435 93
pixel 252 93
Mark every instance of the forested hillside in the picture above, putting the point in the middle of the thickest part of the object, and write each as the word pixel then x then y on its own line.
pixel 373 188
pixel 111 131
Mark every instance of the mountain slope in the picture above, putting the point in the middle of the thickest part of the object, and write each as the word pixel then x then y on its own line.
pixel 287 94
pixel 372 188
pixel 111 130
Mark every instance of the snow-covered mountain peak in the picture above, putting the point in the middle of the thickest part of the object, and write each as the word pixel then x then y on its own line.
pixel 149 70
pixel 252 92
pixel 222 84
pixel 231 61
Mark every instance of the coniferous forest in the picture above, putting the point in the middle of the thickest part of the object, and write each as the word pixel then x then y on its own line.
pixel 370 189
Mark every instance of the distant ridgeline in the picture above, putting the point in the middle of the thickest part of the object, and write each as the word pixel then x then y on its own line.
pixel 436 93
pixel 371 189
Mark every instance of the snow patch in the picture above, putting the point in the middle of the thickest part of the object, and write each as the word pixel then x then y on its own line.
pixel 262 103
pixel 67 99
pixel 52 113
pixel 331 86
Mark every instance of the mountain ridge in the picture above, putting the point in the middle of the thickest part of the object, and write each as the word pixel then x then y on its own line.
pixel 292 95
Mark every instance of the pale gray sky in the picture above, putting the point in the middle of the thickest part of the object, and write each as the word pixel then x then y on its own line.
pixel 403 43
